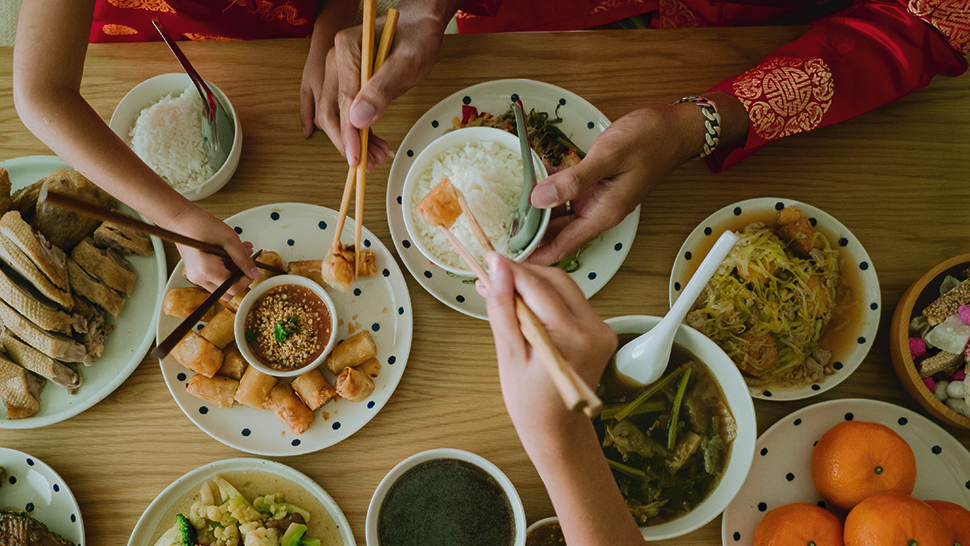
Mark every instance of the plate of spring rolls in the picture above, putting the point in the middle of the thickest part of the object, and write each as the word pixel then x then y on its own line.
pixel 264 415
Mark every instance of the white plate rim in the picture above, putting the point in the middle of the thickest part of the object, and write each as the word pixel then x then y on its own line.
pixel 150 519
pixel 10 457
pixel 836 411
pixel 872 297
pixel 138 353
pixel 590 281
pixel 176 387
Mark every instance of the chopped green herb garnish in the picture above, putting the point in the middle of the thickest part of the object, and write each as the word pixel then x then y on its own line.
pixel 284 329
pixel 251 336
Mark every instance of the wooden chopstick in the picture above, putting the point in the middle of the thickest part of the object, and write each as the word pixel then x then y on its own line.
pixel 115 217
pixel 573 390
pixel 366 70
pixel 184 327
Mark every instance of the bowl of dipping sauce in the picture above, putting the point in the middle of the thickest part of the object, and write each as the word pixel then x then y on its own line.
pixel 161 120
pixel 545 532
pixel 446 497
pixel 485 164
pixel 285 326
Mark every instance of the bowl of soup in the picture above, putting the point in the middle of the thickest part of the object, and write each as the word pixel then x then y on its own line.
pixel 679 448
pixel 485 165
pixel 446 497
pixel 286 326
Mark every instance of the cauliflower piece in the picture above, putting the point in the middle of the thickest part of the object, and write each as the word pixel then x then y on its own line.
pixel 241 510
pixel 262 537
pixel 229 534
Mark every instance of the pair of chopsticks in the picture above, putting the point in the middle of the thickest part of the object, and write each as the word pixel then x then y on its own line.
pixel 359 172
pixel 576 394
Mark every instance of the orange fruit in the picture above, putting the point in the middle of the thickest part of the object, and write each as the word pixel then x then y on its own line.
pixel 957 519
pixel 799 524
pixel 855 459
pixel 895 519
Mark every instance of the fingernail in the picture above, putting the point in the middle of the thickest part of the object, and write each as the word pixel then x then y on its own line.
pixel 254 272
pixel 492 258
pixel 363 115
pixel 545 196
pixel 389 154
pixel 351 160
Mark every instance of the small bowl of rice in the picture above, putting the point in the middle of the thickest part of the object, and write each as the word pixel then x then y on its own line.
pixel 485 164
pixel 161 120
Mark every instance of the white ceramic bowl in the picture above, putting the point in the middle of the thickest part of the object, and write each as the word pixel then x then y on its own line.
pixel 373 509
pixel 151 91
pixel 239 326
pixel 541 523
pixel 738 400
pixel 435 150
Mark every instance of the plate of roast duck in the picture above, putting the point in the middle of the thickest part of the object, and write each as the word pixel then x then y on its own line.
pixel 78 296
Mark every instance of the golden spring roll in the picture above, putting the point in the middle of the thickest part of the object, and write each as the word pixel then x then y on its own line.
pixel 310 269
pixel 180 302
pixel 268 257
pixel 198 354
pixel 351 352
pixel 219 330
pixel 217 390
pixel 254 387
pixel 233 363
pixel 314 389
pixel 371 367
pixel 289 409
pixel 233 304
pixel 354 385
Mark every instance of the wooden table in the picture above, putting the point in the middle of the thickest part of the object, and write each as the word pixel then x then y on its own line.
pixel 897 178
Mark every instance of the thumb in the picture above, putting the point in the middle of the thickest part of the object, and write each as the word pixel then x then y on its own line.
pixel 568 184
pixel 391 81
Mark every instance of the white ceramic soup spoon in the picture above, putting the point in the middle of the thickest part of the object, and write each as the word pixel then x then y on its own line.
pixel 643 360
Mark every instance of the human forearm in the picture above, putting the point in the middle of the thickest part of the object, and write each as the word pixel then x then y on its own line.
pixel 589 506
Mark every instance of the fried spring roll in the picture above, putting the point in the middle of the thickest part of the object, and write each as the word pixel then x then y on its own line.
pixel 254 388
pixel 268 257
pixel 233 304
pixel 289 409
pixel 354 385
pixel 180 302
pixel 310 269
pixel 371 367
pixel 217 390
pixel 219 330
pixel 351 352
pixel 233 363
pixel 314 389
pixel 198 354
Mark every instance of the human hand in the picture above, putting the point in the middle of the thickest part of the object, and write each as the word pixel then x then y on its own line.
pixel 630 158
pixel 342 107
pixel 584 340
pixel 207 270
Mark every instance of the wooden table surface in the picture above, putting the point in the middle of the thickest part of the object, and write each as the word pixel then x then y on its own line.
pixel 896 177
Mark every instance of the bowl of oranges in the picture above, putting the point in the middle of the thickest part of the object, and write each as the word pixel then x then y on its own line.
pixel 855 472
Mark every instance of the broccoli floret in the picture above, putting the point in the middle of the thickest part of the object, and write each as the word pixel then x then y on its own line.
pixel 187 534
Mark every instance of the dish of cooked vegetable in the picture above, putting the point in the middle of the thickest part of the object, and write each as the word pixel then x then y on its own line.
pixel 667 443
pixel 265 510
pixel 771 302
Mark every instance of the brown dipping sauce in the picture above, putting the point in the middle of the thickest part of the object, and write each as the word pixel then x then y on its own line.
pixel 446 502
pixel 288 327
pixel 549 534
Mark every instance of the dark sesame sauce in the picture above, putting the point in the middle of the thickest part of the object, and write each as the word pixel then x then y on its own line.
pixel 288 327
pixel 446 502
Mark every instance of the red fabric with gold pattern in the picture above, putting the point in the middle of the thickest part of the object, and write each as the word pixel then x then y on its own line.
pixel 857 60
pixel 131 20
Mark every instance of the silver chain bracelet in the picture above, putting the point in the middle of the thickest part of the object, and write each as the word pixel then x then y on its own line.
pixel 712 123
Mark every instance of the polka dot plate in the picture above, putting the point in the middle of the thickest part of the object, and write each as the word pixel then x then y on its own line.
pixel 33 487
pixel 781 471
pixel 125 347
pixel 151 518
pixel 380 304
pixel 862 305
pixel 581 121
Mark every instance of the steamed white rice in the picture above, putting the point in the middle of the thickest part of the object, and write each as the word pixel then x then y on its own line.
pixel 489 174
pixel 168 137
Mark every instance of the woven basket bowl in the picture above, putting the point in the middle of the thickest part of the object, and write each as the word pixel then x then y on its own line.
pixel 916 297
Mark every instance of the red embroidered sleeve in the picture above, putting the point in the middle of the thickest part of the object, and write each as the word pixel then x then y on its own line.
pixel 857 60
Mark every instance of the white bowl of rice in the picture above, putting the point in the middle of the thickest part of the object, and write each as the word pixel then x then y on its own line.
pixel 161 120
pixel 485 164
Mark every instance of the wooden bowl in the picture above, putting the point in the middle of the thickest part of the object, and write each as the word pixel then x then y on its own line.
pixel 917 297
